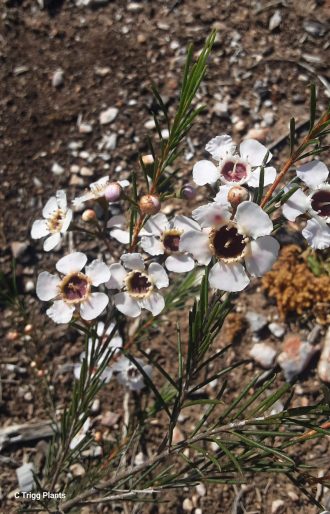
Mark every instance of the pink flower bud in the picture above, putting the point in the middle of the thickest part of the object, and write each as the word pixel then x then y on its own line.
pixel 237 195
pixel 188 192
pixel 88 215
pixel 149 204
pixel 112 192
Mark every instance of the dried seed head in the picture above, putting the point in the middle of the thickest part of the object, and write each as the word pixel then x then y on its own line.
pixel 237 195
pixel 88 215
pixel 188 192
pixel 112 192
pixel 149 204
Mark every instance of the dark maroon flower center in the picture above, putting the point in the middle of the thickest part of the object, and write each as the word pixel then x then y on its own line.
pixel 171 240
pixel 75 287
pixel 234 171
pixel 133 372
pixel 320 201
pixel 226 242
pixel 138 284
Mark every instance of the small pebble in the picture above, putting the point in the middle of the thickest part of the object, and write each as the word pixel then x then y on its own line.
pixel 277 329
pixel 257 321
pixel 109 115
pixel 57 169
pixel 25 477
pixel 201 489
pixel 58 78
pixel 295 356
pixel 323 367
pixel 95 408
pixel 150 124
pixel 275 20
pixel 86 172
pixel 263 354
pixel 277 506
pixel 187 505
pixel 77 470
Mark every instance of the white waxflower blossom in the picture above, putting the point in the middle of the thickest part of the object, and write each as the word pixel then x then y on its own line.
pixel 119 228
pixel 74 289
pixel 233 168
pixel 57 220
pixel 163 237
pixel 97 190
pixel 128 375
pixel 242 246
pixel 137 285
pixel 115 342
pixel 315 203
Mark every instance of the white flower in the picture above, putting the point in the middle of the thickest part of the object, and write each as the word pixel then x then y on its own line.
pixel 115 342
pixel 74 289
pixel 316 203
pixel 57 220
pixel 118 225
pixel 234 168
pixel 137 285
pixel 240 245
pixel 163 237
pixel 97 190
pixel 129 375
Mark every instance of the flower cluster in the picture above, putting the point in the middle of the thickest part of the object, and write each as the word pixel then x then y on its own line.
pixel 231 234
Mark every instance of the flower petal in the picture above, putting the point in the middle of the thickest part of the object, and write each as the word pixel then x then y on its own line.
pixel 127 305
pixel 71 263
pixel 93 306
pixel 297 204
pixel 61 199
pixel 156 224
pixel 120 235
pixel 47 286
pixel 228 277
pixel 184 223
pixel 133 261
pixel 60 312
pixel 179 263
pixel 313 173
pixel 152 245
pixel 118 221
pixel 52 241
pixel 220 147
pixel 252 220
pixel 66 221
pixel 211 214
pixel 196 243
pixel 254 152
pixel 50 207
pixel 317 233
pixel 261 255
pixel 205 172
pixel 39 229
pixel 269 176
pixel 155 303
pixel 98 272
pixel 117 276
pixel 222 196
pixel 158 275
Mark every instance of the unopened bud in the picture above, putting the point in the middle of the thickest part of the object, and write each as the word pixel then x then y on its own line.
pixel 88 215
pixel 147 159
pixel 188 192
pixel 149 204
pixel 237 195
pixel 112 192
pixel 28 328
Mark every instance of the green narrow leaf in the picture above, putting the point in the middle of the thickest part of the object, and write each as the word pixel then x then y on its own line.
pixel 292 134
pixel 229 454
pixel 312 111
